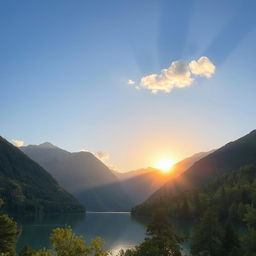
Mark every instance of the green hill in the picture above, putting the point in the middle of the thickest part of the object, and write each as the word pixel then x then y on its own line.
pixel 222 161
pixel 229 195
pixel 27 188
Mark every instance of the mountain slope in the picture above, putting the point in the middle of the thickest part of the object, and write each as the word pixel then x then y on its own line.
pixel 230 195
pixel 142 183
pixel 230 157
pixel 83 175
pixel 26 187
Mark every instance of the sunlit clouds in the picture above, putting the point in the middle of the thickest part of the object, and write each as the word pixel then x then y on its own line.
pixel 202 67
pixel 131 82
pixel 101 155
pixel 178 75
pixel 83 150
pixel 18 143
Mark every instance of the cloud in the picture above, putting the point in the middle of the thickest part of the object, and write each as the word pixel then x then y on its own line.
pixel 131 82
pixel 202 67
pixel 18 143
pixel 178 75
pixel 103 156
pixel 83 150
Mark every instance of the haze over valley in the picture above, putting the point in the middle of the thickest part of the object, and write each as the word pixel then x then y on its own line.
pixel 128 128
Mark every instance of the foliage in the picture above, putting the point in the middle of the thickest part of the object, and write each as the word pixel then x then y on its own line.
pixel 230 195
pixel 26 251
pixel 161 239
pixel 8 235
pixel 249 239
pixel 65 243
pixel 27 188
pixel 208 236
pixel 230 242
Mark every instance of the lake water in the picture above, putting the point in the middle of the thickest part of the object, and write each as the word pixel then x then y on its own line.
pixel 119 230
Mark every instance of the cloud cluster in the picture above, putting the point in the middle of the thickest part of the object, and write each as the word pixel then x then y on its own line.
pixel 83 150
pixel 18 143
pixel 131 82
pixel 103 156
pixel 179 74
pixel 202 67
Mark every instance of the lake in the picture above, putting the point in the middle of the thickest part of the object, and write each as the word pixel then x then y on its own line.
pixel 119 230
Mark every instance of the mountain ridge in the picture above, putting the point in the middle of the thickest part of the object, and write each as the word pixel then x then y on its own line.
pixel 83 175
pixel 27 188
pixel 231 156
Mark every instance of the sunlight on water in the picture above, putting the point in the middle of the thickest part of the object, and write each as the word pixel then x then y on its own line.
pixel 119 230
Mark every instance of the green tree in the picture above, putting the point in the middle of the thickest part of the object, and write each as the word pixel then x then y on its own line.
pixel 161 239
pixel 65 243
pixel 43 252
pixel 26 251
pixel 249 239
pixel 230 242
pixel 8 234
pixel 207 237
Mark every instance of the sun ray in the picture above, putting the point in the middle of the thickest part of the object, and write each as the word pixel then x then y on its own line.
pixel 165 164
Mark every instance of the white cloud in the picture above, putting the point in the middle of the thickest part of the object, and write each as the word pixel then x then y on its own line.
pixel 103 156
pixel 83 150
pixel 18 143
pixel 178 75
pixel 202 67
pixel 131 82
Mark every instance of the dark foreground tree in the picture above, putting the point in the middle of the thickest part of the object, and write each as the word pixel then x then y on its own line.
pixel 26 251
pixel 249 240
pixel 8 234
pixel 230 242
pixel 65 243
pixel 207 238
pixel 161 240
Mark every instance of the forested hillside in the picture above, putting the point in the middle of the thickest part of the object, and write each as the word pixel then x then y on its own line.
pixel 26 188
pixel 229 194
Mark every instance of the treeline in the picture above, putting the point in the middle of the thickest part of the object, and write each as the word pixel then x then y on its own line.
pixel 230 195
pixel 208 239
pixel 28 189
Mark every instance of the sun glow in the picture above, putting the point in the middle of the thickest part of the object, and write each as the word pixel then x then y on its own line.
pixel 165 164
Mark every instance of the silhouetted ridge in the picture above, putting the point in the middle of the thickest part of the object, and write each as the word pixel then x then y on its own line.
pixel 83 175
pixel 27 188
pixel 230 157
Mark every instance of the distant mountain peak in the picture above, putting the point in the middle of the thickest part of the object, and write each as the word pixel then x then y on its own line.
pixel 47 145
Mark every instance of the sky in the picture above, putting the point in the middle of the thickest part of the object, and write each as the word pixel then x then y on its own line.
pixel 133 81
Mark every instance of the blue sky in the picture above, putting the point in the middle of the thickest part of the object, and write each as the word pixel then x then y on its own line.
pixel 64 67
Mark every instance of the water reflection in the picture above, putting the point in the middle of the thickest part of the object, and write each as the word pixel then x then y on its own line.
pixel 119 230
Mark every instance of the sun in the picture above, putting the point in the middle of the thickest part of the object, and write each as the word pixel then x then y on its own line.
pixel 165 164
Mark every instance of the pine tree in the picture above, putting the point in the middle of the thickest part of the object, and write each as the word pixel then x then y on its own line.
pixel 208 236
pixel 230 242
pixel 161 239
pixel 8 234
pixel 249 239
pixel 26 251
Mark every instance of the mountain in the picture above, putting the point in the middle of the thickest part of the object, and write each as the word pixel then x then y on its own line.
pixel 186 163
pixel 142 183
pixel 83 175
pixel 230 157
pixel 229 195
pixel 27 188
